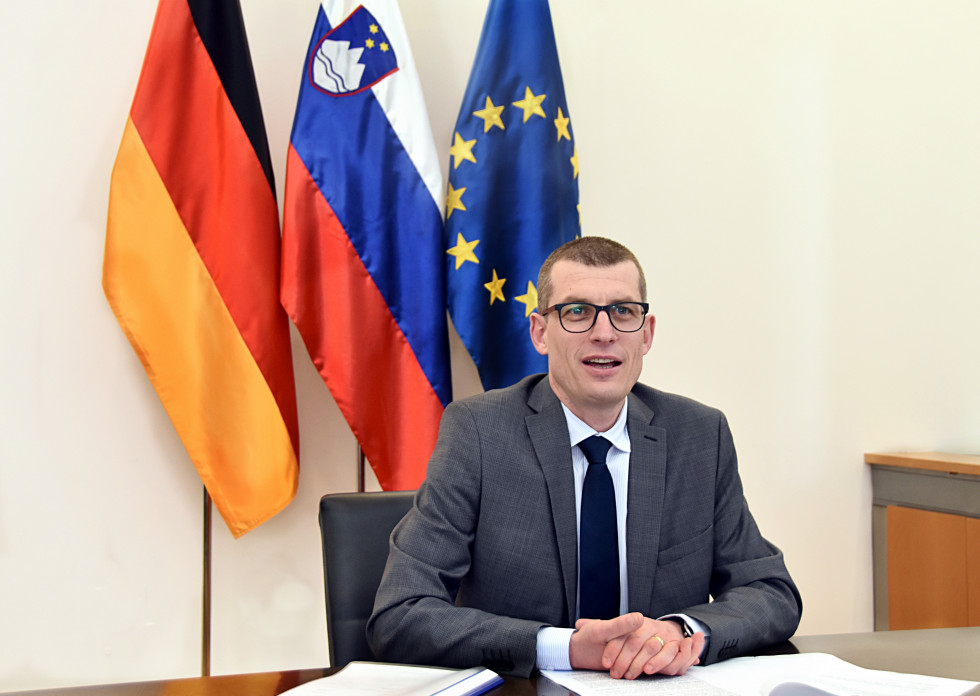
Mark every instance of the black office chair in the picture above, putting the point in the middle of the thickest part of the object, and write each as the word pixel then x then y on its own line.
pixel 354 528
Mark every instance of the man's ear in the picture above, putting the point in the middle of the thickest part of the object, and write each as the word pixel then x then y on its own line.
pixel 648 328
pixel 537 328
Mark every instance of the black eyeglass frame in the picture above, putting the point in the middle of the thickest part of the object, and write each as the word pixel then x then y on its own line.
pixel 599 309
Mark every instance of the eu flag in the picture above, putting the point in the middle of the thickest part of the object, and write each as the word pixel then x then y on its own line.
pixel 513 188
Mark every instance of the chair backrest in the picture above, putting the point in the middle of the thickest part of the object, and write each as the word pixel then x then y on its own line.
pixel 354 528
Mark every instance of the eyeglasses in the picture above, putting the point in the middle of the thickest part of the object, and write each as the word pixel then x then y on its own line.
pixel 579 317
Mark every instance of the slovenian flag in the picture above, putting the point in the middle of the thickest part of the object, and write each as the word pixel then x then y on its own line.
pixel 363 269
pixel 192 260
pixel 513 188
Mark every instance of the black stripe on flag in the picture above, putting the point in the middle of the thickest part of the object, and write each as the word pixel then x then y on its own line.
pixel 222 29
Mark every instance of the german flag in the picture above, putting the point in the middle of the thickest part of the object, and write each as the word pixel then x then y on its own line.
pixel 192 259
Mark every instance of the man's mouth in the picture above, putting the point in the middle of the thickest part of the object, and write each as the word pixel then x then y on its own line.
pixel 602 363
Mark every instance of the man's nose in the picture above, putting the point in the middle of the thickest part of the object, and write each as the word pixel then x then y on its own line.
pixel 603 329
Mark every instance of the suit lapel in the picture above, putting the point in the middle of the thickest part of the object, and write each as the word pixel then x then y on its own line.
pixel 645 501
pixel 548 431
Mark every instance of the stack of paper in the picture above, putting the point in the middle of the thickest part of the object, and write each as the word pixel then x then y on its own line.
pixel 809 674
pixel 383 679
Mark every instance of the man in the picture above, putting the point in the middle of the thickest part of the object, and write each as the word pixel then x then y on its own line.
pixel 488 567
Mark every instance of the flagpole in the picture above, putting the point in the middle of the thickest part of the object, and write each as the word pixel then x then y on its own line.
pixel 206 591
pixel 360 469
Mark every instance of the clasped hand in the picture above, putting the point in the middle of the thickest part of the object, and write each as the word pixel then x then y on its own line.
pixel 632 644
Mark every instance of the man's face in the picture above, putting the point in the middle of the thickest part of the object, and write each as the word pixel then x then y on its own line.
pixel 592 372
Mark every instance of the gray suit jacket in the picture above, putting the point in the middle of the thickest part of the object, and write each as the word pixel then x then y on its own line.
pixel 487 555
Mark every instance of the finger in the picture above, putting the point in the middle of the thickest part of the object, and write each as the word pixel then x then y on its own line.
pixel 697 645
pixel 590 646
pixel 682 659
pixel 639 648
pixel 688 654
pixel 612 651
pixel 698 640
pixel 617 627
pixel 653 658
pixel 621 652
pixel 654 647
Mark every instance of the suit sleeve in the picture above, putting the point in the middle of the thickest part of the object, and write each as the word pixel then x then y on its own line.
pixel 755 601
pixel 415 617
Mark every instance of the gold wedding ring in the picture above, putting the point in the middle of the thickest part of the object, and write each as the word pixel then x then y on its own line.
pixel 660 639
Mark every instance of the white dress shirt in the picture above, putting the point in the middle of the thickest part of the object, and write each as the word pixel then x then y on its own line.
pixel 552 643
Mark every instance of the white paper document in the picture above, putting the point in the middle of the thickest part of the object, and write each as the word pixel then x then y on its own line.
pixel 384 679
pixel 809 674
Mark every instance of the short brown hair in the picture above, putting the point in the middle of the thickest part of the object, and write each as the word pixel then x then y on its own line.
pixel 589 251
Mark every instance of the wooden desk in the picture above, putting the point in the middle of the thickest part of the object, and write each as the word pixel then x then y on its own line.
pixel 926 540
pixel 950 652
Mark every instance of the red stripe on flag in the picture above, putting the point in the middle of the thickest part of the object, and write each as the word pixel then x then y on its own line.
pixel 380 387
pixel 219 188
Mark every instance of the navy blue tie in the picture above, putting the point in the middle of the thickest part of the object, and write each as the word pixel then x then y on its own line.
pixel 598 540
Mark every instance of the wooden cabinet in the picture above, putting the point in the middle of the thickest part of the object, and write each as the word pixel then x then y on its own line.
pixel 926 540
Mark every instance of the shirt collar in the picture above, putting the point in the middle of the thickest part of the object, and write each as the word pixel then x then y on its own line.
pixel 578 429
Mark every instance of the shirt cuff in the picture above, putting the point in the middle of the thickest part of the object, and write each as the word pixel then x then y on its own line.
pixel 553 646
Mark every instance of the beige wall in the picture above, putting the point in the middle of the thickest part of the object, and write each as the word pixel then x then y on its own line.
pixel 800 180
